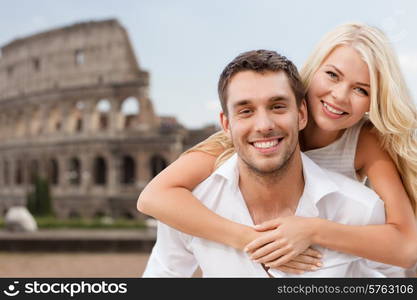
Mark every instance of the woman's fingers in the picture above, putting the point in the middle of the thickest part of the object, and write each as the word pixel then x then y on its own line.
pixel 268 225
pixel 261 241
pixel 277 255
pixel 270 252
pixel 281 259
pixel 267 249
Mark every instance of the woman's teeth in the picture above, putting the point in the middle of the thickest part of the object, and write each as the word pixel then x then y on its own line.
pixel 333 110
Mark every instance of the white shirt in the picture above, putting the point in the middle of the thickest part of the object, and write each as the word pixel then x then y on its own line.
pixel 326 195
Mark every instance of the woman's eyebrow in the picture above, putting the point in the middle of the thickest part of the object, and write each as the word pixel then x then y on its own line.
pixel 341 73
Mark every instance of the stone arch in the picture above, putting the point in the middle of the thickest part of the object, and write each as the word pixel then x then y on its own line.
pixel 74 174
pixel 128 215
pixel 20 126
pixel 33 170
pixel 79 57
pixel 130 110
pixel 53 172
pixel 100 214
pixel 6 172
pixel 2 126
pixel 19 172
pixel 128 170
pixel 35 122
pixel 76 122
pixel 157 164
pixel 100 171
pixel 73 214
pixel 101 115
pixel 54 120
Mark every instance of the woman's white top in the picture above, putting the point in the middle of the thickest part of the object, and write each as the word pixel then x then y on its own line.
pixel 339 156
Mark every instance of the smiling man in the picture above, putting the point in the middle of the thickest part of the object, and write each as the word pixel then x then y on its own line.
pixel 263 106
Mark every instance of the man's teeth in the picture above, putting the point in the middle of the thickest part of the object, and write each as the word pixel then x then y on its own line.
pixel 331 109
pixel 265 145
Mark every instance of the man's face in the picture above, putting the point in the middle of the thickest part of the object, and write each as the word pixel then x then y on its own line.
pixel 263 119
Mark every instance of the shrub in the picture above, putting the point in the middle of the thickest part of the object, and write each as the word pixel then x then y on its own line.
pixel 39 200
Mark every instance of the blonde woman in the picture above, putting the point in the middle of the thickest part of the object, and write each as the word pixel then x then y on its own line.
pixel 361 123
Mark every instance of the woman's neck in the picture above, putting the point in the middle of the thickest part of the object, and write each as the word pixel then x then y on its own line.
pixel 313 137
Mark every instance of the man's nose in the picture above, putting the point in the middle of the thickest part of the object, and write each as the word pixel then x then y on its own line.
pixel 264 122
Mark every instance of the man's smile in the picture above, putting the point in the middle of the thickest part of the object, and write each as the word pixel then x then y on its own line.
pixel 268 145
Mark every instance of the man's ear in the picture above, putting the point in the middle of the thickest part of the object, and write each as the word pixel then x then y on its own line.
pixel 302 115
pixel 225 123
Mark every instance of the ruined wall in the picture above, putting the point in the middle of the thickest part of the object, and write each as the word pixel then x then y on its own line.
pixel 75 109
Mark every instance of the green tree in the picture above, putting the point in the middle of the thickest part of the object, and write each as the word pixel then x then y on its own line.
pixel 39 201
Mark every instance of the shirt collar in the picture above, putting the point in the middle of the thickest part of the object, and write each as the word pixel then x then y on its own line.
pixel 317 182
pixel 229 170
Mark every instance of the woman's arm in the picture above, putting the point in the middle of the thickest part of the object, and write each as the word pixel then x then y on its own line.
pixel 168 198
pixel 393 243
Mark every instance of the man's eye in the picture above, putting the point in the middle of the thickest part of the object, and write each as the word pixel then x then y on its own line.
pixel 280 106
pixel 332 75
pixel 245 111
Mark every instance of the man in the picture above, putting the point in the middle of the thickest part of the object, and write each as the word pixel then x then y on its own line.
pixel 263 111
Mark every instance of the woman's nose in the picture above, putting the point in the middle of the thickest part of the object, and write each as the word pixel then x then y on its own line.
pixel 340 92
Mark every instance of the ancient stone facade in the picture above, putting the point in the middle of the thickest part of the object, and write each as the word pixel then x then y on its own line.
pixel 75 109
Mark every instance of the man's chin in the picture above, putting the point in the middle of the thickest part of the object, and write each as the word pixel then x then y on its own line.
pixel 264 168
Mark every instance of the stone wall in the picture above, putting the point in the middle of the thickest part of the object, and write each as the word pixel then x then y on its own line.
pixel 75 109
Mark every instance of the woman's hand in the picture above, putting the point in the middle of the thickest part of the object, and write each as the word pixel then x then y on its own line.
pixel 285 239
pixel 307 261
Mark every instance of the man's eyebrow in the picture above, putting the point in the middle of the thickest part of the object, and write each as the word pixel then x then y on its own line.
pixel 241 103
pixel 341 73
pixel 279 98
pixel 272 99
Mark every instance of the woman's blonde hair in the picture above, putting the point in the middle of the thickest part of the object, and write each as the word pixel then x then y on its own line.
pixel 392 111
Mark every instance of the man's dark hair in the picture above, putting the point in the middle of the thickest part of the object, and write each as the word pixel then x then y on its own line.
pixel 260 61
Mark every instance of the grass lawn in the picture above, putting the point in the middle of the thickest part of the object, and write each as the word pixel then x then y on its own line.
pixel 80 223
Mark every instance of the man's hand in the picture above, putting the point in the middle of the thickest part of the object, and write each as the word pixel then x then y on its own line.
pixel 307 261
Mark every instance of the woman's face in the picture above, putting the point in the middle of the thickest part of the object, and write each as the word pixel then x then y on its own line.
pixel 339 93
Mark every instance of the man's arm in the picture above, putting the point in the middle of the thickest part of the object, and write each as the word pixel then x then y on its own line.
pixel 170 256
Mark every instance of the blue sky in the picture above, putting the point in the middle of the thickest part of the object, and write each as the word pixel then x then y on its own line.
pixel 185 44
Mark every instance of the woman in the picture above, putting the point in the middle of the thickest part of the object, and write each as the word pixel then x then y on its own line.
pixel 351 76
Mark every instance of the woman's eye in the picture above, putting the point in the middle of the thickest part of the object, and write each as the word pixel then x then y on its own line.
pixel 332 75
pixel 362 91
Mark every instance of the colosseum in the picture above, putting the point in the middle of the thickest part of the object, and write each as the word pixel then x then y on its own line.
pixel 75 109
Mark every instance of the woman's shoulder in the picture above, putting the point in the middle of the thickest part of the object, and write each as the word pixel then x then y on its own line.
pixel 368 133
pixel 369 144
